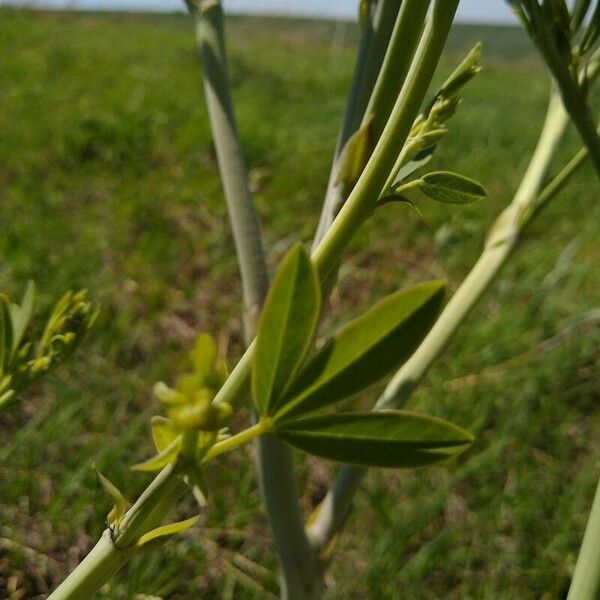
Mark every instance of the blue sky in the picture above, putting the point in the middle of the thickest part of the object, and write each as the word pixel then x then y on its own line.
pixel 470 10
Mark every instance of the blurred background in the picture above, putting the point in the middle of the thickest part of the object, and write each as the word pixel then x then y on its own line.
pixel 108 181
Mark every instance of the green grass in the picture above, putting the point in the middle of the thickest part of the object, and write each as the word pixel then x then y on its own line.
pixel 108 181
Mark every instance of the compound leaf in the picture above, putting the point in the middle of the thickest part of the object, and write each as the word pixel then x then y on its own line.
pixel 366 349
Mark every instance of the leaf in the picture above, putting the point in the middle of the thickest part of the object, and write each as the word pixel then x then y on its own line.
pixel 20 316
pixel 388 438
pixel 394 198
pixel 162 459
pixel 466 70
pixel 120 503
pixel 163 432
pixel 366 349
pixel 420 160
pixel 451 188
pixel 165 532
pixel 203 356
pixel 286 328
pixel 355 155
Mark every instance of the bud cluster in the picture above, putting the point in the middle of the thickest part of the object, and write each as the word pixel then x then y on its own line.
pixel 23 359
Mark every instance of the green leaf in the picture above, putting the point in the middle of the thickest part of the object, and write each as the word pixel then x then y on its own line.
pixel 451 188
pixel 286 328
pixel 420 160
pixel 204 356
pixel 120 503
pixel 162 459
pixel 466 70
pixel 164 533
pixel 163 432
pixel 388 438
pixel 20 316
pixel 366 349
pixel 355 155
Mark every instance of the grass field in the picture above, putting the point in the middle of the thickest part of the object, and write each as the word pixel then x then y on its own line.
pixel 108 181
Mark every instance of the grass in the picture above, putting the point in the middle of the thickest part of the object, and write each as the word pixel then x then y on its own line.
pixel 108 181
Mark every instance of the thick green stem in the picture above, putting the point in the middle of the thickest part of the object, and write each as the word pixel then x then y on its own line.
pixel 275 462
pixel 93 572
pixel 113 550
pixel 504 236
pixel 242 214
pixel 397 62
pixel 585 584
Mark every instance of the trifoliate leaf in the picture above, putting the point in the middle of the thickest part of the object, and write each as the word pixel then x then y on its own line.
pixel 365 350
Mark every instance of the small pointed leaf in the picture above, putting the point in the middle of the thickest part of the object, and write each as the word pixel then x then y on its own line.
pixel 120 504
pixel 355 155
pixel 286 328
pixel 162 459
pixel 366 349
pixel 163 432
pixel 165 532
pixel 420 160
pixel 388 438
pixel 20 316
pixel 451 188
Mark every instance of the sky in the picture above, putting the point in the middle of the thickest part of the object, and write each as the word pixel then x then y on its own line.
pixel 495 11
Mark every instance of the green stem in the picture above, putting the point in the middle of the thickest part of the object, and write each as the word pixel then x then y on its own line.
pixel 573 96
pixel 580 113
pixel 113 551
pixel 242 214
pixel 93 572
pixel 334 508
pixel 396 64
pixel 585 584
pixel 275 461
pixel 243 437
pixel 374 41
